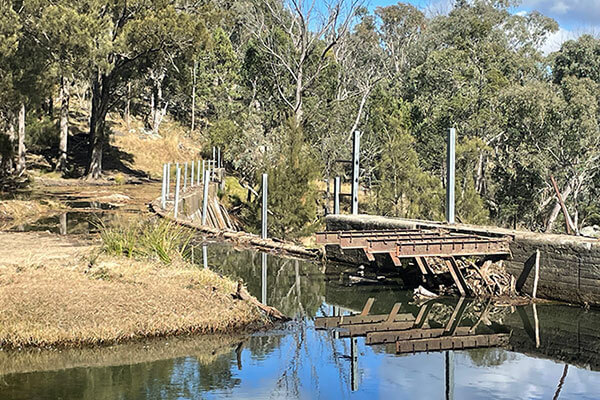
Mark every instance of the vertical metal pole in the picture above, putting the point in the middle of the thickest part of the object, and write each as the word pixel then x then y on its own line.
pixel 198 176
pixel 450 166
pixel 205 197
pixel 204 257
pixel 168 180
pixel 218 157
pixel 203 169
pixel 214 153
pixel 177 183
pixel 185 174
pixel 336 195
pixel 264 277
pixel 265 182
pixel 354 362
pixel 449 375
pixel 163 192
pixel 192 176
pixel 355 171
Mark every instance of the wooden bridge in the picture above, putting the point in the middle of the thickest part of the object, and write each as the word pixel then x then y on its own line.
pixel 419 244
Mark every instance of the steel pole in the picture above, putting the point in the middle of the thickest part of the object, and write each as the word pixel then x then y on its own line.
pixel 265 183
pixel 163 192
pixel 185 175
pixel 177 183
pixel 450 183
pixel 218 157
pixel 205 197
pixel 192 176
pixel 336 195
pixel 198 176
pixel 355 171
pixel 168 180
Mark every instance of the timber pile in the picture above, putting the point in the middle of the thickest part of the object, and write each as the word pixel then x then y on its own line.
pixel 484 279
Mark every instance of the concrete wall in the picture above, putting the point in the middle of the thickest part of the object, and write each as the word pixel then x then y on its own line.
pixel 569 265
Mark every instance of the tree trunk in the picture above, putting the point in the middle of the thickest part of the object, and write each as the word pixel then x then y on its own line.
pixel 21 140
pixel 128 106
pixel 100 99
pixel 158 110
pixel 64 124
pixel 298 110
pixel 556 210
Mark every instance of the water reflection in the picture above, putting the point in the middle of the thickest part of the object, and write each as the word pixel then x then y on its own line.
pixel 558 359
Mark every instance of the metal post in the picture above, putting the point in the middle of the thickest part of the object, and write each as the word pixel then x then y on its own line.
pixel 168 180
pixel 218 157
pixel 354 364
pixel 214 153
pixel 449 375
pixel 265 183
pixel 450 166
pixel 205 197
pixel 177 183
pixel 336 195
pixel 185 173
pixel 355 171
pixel 264 277
pixel 192 177
pixel 204 257
pixel 163 192
pixel 198 176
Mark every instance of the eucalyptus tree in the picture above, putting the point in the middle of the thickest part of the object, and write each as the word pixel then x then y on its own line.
pixel 297 37
pixel 134 37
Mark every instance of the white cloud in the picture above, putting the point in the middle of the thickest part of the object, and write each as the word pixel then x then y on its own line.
pixel 568 12
pixel 556 39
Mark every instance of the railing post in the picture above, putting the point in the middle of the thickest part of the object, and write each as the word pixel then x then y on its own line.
pixel 214 153
pixel 163 192
pixel 205 197
pixel 450 170
pixel 336 195
pixel 218 157
pixel 192 176
pixel 168 180
pixel 265 183
pixel 177 183
pixel 355 170
pixel 198 176
pixel 185 174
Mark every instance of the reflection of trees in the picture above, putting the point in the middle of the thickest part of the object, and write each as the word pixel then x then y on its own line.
pixel 294 287
pixel 489 357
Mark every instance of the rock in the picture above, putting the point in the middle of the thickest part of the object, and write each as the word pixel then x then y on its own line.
pixel 591 231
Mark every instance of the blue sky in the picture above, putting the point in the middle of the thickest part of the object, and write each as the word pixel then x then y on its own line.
pixel 574 17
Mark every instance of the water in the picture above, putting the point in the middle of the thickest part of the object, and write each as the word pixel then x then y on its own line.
pixel 556 357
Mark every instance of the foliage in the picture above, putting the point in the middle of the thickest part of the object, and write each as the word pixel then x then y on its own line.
pixel 158 240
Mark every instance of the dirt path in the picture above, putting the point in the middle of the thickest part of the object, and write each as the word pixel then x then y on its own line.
pixel 41 248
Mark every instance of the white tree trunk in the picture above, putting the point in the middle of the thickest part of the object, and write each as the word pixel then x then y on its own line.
pixel 21 140
pixel 64 124
pixel 557 208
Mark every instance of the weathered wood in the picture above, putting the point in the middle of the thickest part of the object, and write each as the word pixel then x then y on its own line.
pixel 417 333
pixel 452 343
pixel 334 322
pixel 562 205
pixel 363 329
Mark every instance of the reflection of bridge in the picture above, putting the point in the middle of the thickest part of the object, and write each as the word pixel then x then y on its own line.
pixel 412 334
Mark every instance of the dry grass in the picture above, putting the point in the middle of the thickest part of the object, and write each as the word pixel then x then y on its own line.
pixel 115 300
pixel 150 152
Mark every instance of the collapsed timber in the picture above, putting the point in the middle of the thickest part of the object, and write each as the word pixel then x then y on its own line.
pixel 445 263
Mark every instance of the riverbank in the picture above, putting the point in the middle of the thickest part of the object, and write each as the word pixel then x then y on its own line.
pixel 78 296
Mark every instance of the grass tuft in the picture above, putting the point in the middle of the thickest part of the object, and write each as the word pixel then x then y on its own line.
pixel 155 239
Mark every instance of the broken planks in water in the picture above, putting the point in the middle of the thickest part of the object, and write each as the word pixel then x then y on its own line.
pixel 411 334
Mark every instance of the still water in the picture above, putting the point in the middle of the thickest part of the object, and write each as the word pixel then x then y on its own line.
pixel 552 351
